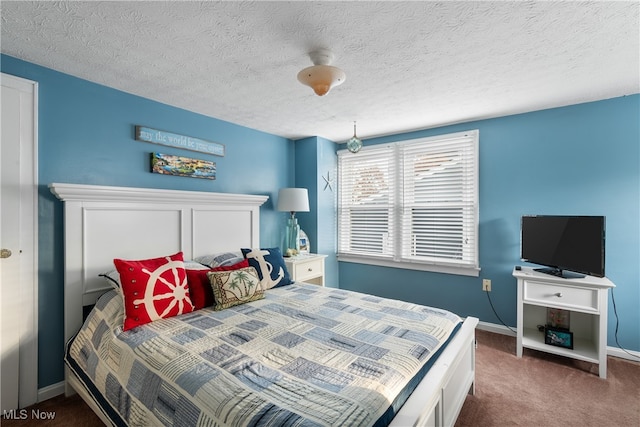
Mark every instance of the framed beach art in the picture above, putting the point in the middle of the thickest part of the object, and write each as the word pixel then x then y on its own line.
pixel 166 164
pixel 558 337
pixel 304 243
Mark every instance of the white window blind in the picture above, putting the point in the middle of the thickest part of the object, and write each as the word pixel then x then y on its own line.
pixel 411 202
pixel 367 198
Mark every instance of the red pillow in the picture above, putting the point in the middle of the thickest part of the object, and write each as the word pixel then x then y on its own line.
pixel 242 264
pixel 153 289
pixel 200 289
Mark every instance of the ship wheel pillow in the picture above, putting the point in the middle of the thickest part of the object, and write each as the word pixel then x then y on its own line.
pixel 153 289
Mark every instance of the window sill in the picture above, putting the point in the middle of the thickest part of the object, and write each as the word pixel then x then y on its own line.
pixel 434 268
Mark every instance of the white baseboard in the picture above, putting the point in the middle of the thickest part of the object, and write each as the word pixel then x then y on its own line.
pixel 53 390
pixel 611 351
pixel 496 329
pixel 618 352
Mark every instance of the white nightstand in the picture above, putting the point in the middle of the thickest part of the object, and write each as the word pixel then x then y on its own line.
pixel 306 268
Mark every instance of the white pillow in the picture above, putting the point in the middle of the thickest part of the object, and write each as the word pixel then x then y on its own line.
pixel 195 265
pixel 113 278
pixel 221 259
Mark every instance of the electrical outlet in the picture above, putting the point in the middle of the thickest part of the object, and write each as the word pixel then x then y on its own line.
pixel 486 285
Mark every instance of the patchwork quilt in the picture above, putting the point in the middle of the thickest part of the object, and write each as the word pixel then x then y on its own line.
pixel 304 355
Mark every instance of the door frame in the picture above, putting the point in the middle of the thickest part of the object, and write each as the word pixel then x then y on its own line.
pixel 28 352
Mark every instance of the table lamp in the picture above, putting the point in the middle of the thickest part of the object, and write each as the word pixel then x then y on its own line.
pixel 292 200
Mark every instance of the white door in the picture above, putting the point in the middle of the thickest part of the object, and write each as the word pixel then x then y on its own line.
pixel 18 271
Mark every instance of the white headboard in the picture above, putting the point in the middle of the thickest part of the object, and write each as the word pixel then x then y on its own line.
pixel 102 223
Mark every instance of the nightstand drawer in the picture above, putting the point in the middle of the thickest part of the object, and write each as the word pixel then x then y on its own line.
pixel 561 296
pixel 308 269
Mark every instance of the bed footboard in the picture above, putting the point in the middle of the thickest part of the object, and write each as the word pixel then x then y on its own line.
pixel 440 395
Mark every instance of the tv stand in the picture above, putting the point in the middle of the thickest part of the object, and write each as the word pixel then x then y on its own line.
pixel 560 273
pixel 586 299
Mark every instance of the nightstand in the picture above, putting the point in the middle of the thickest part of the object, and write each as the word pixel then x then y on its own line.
pixel 306 268
pixel 585 298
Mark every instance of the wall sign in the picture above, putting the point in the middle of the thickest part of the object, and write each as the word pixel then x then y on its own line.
pixel 161 137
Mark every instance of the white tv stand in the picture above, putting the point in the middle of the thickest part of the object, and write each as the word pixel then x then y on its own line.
pixel 587 300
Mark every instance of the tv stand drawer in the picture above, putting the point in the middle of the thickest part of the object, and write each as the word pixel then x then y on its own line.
pixel 570 297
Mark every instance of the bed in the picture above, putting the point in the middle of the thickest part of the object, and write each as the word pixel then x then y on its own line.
pixel 103 223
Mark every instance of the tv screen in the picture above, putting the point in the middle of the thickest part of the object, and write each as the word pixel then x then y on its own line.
pixel 573 243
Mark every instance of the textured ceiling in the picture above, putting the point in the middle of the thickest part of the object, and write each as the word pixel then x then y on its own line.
pixel 409 65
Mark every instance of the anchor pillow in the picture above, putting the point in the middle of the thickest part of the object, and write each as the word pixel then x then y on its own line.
pixel 270 266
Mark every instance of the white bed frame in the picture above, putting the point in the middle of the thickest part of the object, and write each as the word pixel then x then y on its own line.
pixel 102 223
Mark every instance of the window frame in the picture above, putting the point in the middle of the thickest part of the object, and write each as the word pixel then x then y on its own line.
pixel 395 258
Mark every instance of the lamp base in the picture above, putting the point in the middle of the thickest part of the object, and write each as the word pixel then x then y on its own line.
pixel 291 240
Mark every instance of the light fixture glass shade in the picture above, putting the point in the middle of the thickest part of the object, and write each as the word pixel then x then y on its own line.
pixel 322 78
pixel 354 144
pixel 293 200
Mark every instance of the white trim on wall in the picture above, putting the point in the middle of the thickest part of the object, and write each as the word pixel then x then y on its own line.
pixel 50 391
pixel 611 351
pixel 28 370
pixel 496 329
pixel 623 354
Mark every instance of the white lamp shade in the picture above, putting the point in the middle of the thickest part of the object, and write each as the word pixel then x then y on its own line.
pixel 293 200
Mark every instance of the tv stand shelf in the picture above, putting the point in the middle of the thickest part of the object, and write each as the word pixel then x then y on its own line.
pixel 586 299
pixel 582 349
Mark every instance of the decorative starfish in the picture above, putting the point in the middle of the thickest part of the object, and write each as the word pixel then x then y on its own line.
pixel 328 182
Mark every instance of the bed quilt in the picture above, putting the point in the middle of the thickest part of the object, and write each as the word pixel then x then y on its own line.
pixel 304 355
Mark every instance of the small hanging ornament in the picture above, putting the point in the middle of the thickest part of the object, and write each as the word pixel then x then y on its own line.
pixel 354 144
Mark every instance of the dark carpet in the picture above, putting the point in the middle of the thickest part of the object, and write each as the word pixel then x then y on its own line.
pixel 541 389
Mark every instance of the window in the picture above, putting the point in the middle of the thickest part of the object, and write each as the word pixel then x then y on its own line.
pixel 411 204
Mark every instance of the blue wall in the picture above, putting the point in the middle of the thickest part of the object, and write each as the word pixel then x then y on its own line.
pixel 86 136
pixel 583 160
pixel 316 160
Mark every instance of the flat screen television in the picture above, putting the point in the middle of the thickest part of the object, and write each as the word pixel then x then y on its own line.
pixel 572 243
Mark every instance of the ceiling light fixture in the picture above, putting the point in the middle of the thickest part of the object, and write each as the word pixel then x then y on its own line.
pixel 321 77
pixel 354 144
